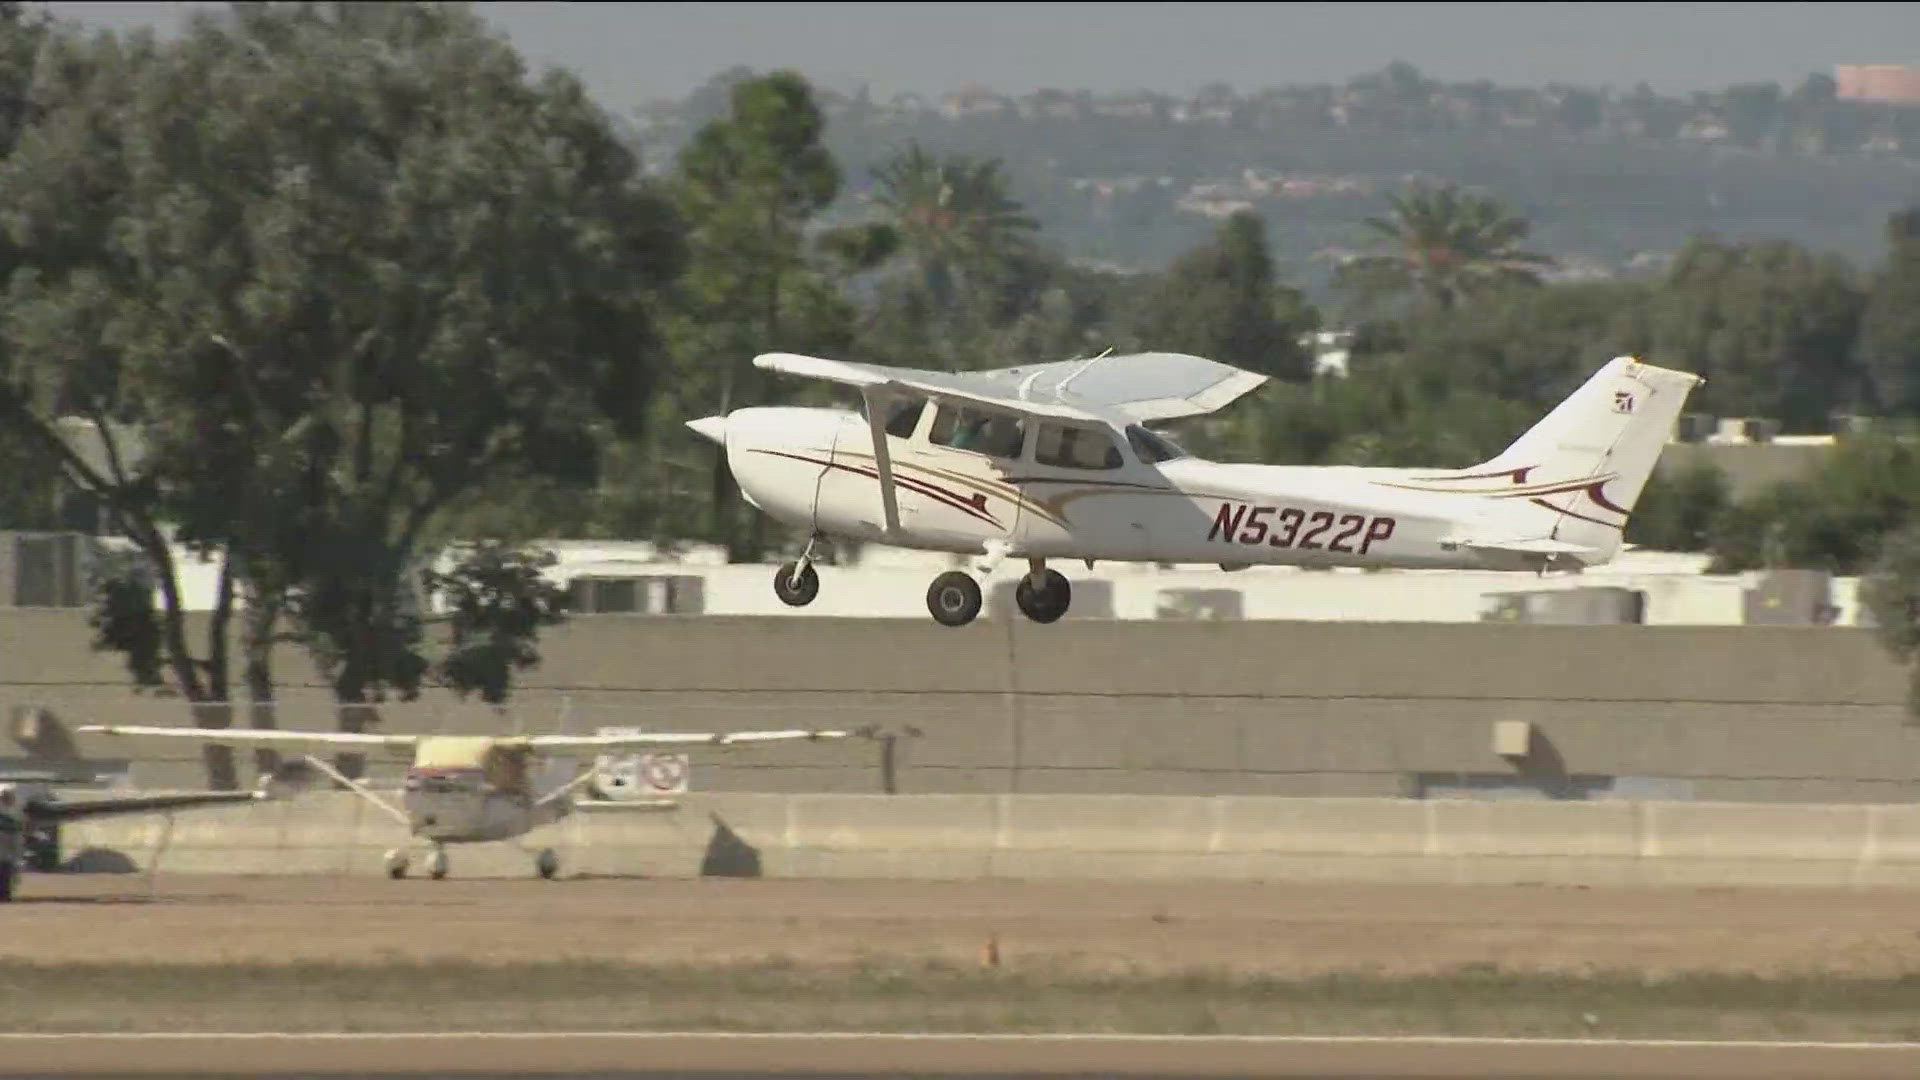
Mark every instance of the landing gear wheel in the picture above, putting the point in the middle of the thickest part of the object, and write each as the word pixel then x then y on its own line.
pixel 953 598
pixel 547 863
pixel 796 591
pixel 437 864
pixel 9 873
pixel 1046 603
pixel 396 864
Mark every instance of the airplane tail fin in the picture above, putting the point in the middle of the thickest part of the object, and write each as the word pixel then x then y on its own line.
pixel 1584 464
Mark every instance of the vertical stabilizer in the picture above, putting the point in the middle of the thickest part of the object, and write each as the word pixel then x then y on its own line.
pixel 1584 464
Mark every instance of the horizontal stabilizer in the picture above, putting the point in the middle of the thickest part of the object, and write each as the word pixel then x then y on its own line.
pixel 1538 545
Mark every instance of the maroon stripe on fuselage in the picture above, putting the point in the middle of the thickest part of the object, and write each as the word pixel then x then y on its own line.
pixel 911 483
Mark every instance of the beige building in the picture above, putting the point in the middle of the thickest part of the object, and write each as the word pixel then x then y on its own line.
pixel 1884 84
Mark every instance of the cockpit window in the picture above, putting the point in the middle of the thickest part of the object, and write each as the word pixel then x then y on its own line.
pixel 981 432
pixel 1150 448
pixel 904 419
pixel 1075 448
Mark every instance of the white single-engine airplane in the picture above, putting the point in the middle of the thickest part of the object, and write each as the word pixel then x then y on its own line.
pixel 463 789
pixel 1052 461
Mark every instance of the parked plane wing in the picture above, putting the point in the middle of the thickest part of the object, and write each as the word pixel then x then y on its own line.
pixel 681 738
pixel 1135 387
pixel 259 737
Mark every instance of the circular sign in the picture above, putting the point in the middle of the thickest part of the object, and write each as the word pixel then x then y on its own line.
pixel 664 772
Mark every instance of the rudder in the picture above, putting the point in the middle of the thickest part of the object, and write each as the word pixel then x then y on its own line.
pixel 1585 463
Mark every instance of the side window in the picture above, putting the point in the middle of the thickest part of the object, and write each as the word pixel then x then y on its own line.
pixel 1075 448
pixel 905 418
pixel 981 432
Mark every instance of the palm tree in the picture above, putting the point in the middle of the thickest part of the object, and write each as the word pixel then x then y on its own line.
pixel 1447 244
pixel 954 216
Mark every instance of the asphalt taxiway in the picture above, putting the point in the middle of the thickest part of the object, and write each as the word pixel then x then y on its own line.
pixel 711 1056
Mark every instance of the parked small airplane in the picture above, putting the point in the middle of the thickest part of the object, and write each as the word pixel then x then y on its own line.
pixel 463 789
pixel 1052 461
pixel 24 814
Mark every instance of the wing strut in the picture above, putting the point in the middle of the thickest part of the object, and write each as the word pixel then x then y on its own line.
pixel 882 459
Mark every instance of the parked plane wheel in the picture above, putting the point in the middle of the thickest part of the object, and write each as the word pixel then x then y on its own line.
pixel 953 598
pixel 1046 603
pixel 9 873
pixel 396 864
pixel 437 865
pixel 547 863
pixel 796 592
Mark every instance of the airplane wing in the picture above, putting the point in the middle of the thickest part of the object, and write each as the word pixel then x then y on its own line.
pixel 39 811
pixel 252 737
pixel 1136 387
pixel 684 738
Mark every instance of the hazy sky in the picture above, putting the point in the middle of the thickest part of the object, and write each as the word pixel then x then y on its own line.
pixel 631 52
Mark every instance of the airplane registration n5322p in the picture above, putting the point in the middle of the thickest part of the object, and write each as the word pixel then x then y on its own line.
pixel 1054 461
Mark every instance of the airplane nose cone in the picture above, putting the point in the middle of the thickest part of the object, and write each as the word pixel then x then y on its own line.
pixel 711 427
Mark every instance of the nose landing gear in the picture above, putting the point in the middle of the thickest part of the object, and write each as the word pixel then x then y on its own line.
pixel 796 583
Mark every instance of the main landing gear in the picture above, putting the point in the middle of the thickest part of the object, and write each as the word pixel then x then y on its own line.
pixel 1043 595
pixel 954 598
pixel 546 863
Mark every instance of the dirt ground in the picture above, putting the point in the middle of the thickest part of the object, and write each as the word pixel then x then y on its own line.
pixel 1274 929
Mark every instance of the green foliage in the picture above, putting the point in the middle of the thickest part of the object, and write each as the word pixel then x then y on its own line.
pixel 1888 348
pixel 1770 324
pixel 1444 245
pixel 1831 520
pixel 498 600
pixel 1890 590
pixel 955 218
pixel 749 184
pixel 1387 413
pixel 124 621
pixel 1530 345
pixel 344 265
pixel 1679 509
pixel 1223 301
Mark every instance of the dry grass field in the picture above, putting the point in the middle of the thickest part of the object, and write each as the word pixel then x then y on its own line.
pixel 122 952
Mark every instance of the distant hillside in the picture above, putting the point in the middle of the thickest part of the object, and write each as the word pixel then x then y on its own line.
pixel 1611 184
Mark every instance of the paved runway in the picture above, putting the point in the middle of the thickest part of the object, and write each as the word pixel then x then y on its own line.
pixel 663 1056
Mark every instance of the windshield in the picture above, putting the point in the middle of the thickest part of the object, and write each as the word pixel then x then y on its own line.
pixel 1151 448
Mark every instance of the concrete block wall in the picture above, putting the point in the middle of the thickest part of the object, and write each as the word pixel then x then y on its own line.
pixel 1056 837
pixel 1750 714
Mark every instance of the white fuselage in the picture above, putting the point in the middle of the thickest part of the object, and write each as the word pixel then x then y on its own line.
pixel 457 806
pixel 815 469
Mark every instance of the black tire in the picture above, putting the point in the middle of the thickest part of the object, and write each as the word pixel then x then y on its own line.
pixel 953 598
pixel 1047 603
pixel 796 593
pixel 43 849
pixel 9 872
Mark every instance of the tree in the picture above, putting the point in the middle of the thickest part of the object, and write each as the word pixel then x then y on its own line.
pixel 955 219
pixel 748 185
pixel 1446 245
pixel 1770 324
pixel 1890 590
pixel 1526 345
pixel 1888 347
pixel 1679 509
pixel 1223 301
pixel 497 600
pixel 343 265
pixel 1833 519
